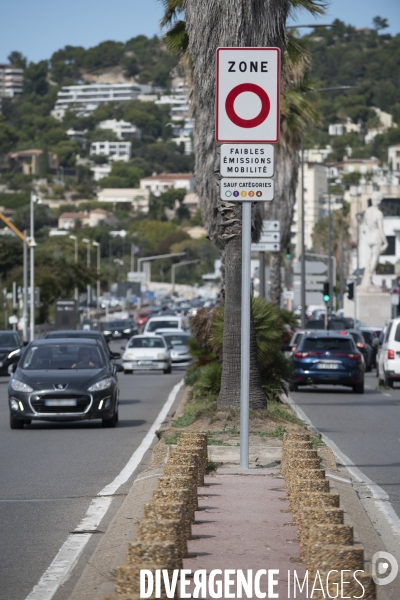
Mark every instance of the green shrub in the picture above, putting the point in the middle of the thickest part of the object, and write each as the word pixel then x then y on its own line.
pixel 209 381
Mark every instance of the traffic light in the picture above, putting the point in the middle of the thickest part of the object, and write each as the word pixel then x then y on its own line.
pixel 326 292
pixel 350 290
pixel 288 253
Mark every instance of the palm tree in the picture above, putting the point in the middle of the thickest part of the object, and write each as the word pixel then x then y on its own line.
pixel 210 25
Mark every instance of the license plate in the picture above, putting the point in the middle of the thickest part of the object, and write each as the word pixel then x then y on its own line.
pixel 328 366
pixel 71 402
pixel 145 363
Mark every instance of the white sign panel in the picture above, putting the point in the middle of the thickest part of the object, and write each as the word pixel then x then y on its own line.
pixel 265 247
pixel 270 236
pixel 235 189
pixel 247 95
pixel 247 160
pixel 136 277
pixel 271 226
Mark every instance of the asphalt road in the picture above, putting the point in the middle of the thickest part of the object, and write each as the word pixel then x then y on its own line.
pixel 50 472
pixel 365 427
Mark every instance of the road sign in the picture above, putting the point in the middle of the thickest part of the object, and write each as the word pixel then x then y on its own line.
pixel 13 320
pixel 316 267
pixel 247 95
pixel 266 247
pixel 136 276
pixel 270 236
pixel 247 160
pixel 395 299
pixel 271 226
pixel 239 189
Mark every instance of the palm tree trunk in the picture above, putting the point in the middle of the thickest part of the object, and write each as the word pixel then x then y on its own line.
pixel 211 24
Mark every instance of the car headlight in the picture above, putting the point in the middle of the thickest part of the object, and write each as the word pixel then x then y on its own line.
pixel 106 332
pixel 128 355
pixel 127 330
pixel 14 352
pixel 103 384
pixel 20 386
pixel 161 355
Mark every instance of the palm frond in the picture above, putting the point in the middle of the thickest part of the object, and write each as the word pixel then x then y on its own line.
pixel 171 10
pixel 176 38
pixel 314 7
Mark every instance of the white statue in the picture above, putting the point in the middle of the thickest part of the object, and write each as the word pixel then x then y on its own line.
pixel 376 239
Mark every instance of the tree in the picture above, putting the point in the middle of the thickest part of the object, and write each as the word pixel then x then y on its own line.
pixel 380 23
pixel 17 60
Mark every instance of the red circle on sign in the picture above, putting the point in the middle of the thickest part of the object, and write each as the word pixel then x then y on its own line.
pixel 265 105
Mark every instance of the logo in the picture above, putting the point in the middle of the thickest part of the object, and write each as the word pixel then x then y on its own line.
pixel 254 89
pixel 251 194
pixel 236 193
pixel 60 386
pixel 259 194
pixel 243 193
pixel 384 568
pixel 228 193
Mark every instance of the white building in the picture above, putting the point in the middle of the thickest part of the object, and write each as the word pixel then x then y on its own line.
pixel 86 98
pixel 341 128
pixel 115 150
pixel 77 136
pixel 157 184
pixel 11 81
pixel 394 157
pixel 186 140
pixel 138 198
pixel 122 129
pixel 100 171
pixel 315 188
pixel 318 155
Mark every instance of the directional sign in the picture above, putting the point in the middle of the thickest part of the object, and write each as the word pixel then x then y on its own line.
pixel 247 160
pixel 270 236
pixel 271 226
pixel 247 95
pixel 240 189
pixel 136 277
pixel 266 247
pixel 316 267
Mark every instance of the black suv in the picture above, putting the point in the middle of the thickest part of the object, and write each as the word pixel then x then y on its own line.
pixel 10 350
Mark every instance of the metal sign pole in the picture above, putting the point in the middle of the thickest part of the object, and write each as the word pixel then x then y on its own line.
pixel 245 336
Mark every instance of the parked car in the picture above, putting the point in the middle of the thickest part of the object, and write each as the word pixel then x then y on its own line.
pixel 328 357
pixel 362 345
pixel 389 355
pixel 167 322
pixel 10 350
pixel 147 353
pixel 372 340
pixel 121 328
pixel 63 380
pixel 88 334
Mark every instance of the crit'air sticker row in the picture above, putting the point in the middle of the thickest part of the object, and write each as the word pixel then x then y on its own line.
pixel 238 189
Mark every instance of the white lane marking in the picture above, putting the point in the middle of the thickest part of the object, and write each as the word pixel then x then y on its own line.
pixel 381 498
pixel 338 478
pixel 68 555
pixel 388 395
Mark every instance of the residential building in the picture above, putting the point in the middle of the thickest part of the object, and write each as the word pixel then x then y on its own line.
pixel 100 171
pixel 157 184
pixel 341 128
pixel 77 136
pixel 138 198
pixel 318 155
pixel 86 98
pixel 11 81
pixel 69 220
pixel 115 150
pixel 30 161
pixel 122 129
pixel 394 157
pixel 360 165
pixel 315 188
pixel 178 102
pixel 192 202
pixel 187 142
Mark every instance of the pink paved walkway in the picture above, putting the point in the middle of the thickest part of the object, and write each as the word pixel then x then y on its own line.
pixel 242 524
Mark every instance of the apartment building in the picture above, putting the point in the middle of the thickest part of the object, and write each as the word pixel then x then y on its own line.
pixel 157 184
pixel 122 129
pixel 115 150
pixel 315 190
pixel 394 157
pixel 11 82
pixel 86 98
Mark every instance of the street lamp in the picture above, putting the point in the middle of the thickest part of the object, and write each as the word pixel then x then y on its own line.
pixel 73 237
pixel 180 264
pixel 86 241
pixel 97 245
pixel 34 200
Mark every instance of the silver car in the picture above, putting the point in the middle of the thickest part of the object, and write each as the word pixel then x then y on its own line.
pixel 178 347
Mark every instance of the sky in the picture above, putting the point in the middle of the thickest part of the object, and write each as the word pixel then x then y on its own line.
pixel 37 29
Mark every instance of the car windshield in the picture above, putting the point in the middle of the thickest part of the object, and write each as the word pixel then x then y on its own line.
pixel 176 339
pixel 63 356
pixel 327 344
pixel 8 340
pixel 146 342
pixel 116 324
pixel 164 324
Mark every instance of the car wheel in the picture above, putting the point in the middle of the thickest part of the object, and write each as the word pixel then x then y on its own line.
pixel 16 424
pixel 388 381
pixel 167 371
pixel 110 422
pixel 369 368
pixel 358 388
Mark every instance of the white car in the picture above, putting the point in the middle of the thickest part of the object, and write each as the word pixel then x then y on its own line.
pixel 388 360
pixel 146 353
pixel 167 322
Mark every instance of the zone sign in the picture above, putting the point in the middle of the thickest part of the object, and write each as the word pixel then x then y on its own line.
pixel 247 95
